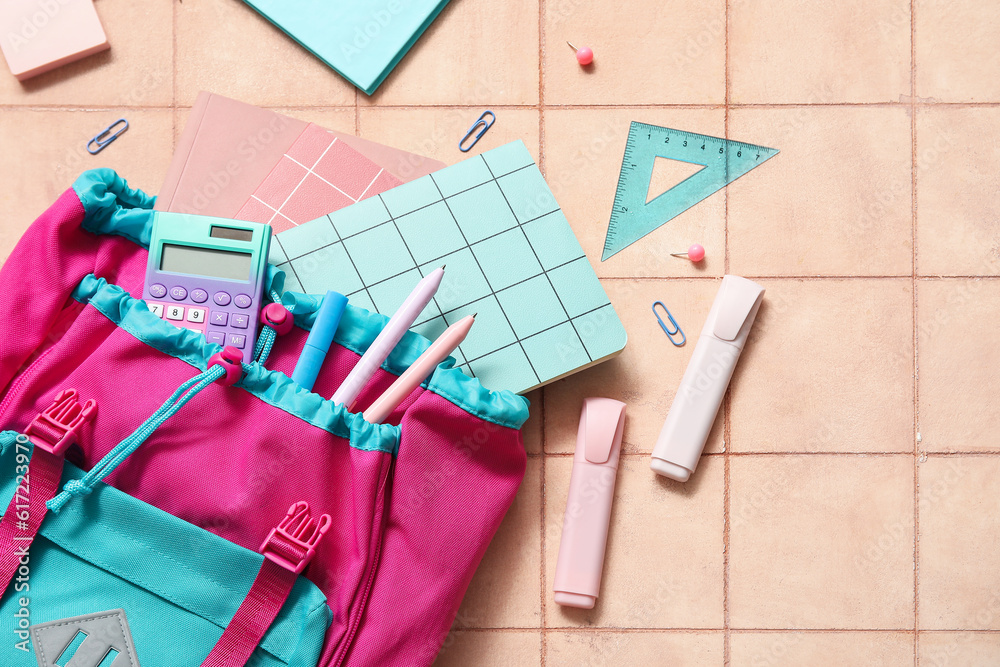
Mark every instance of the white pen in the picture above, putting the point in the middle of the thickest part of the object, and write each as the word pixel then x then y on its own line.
pixel 347 392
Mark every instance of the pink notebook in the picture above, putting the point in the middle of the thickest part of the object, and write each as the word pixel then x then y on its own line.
pixel 318 174
pixel 228 148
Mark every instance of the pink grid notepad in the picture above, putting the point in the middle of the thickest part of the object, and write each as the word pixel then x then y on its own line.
pixel 318 175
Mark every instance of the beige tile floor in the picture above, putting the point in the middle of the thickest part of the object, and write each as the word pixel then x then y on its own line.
pixel 846 512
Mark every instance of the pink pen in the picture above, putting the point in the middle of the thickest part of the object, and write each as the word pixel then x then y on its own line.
pixel 378 351
pixel 588 509
pixel 418 370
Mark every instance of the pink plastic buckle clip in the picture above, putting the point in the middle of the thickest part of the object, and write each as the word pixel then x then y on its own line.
pixel 232 360
pixel 293 543
pixel 277 317
pixel 58 426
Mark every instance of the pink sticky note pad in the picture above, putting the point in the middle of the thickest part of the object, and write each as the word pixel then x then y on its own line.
pixel 39 35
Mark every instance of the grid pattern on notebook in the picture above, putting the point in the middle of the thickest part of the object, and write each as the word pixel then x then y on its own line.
pixel 317 175
pixel 510 256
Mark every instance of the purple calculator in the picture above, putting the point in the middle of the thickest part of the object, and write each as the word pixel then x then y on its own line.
pixel 207 275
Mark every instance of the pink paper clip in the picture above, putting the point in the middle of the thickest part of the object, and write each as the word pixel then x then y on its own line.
pixel 293 543
pixel 58 427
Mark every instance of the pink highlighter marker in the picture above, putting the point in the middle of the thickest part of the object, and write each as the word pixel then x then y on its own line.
pixel 588 509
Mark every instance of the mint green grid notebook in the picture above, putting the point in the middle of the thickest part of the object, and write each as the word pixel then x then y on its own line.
pixel 362 40
pixel 510 255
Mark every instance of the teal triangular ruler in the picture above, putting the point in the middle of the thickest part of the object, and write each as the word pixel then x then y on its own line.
pixel 724 160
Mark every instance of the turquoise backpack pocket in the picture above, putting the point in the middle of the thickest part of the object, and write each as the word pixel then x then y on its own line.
pixel 177 585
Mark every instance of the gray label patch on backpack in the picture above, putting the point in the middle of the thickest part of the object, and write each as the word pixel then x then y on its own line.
pixel 92 640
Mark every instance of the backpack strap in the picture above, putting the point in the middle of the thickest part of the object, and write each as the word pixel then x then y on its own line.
pixel 287 551
pixel 50 434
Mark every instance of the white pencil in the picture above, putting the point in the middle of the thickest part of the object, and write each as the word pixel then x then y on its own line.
pixel 347 392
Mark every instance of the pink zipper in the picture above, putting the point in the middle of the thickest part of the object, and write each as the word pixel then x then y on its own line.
pixel 356 622
pixel 15 387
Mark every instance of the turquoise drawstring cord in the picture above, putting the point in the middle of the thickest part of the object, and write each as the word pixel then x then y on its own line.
pixel 264 343
pixel 114 458
pixel 267 336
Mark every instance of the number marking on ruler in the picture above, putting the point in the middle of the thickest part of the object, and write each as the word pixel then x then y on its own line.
pixel 723 161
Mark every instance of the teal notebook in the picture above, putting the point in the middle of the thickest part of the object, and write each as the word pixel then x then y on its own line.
pixel 510 257
pixel 361 40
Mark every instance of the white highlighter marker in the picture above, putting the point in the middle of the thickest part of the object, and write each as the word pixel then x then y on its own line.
pixel 704 384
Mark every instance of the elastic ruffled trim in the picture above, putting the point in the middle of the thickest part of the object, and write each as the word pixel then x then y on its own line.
pixel 112 207
pixel 272 387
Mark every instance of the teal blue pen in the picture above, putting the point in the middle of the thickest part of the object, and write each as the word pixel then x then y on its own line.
pixel 319 340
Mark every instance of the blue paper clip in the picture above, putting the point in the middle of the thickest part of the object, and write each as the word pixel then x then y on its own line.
pixel 479 121
pixel 663 325
pixel 106 136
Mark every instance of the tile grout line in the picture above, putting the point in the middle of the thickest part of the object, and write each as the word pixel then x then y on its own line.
pixel 173 75
pixel 726 415
pixel 580 107
pixel 543 634
pixel 913 288
pixel 543 608
pixel 594 629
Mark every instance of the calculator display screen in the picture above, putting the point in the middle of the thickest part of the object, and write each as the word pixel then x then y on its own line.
pixel 231 233
pixel 225 264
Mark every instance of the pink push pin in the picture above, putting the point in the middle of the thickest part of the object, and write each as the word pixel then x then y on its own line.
pixel 695 253
pixel 584 54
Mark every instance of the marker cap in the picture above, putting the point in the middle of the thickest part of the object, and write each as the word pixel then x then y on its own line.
pixel 320 338
pixel 704 384
pixel 588 508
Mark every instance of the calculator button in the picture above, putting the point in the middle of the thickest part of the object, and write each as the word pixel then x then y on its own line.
pixel 222 298
pixel 157 291
pixel 242 301
pixel 220 318
pixel 178 293
pixel 237 340
pixel 156 309
pixel 175 313
pixel 196 315
pixel 217 337
pixel 199 295
pixel 240 321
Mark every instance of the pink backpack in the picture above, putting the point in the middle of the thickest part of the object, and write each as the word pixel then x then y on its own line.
pixel 413 502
